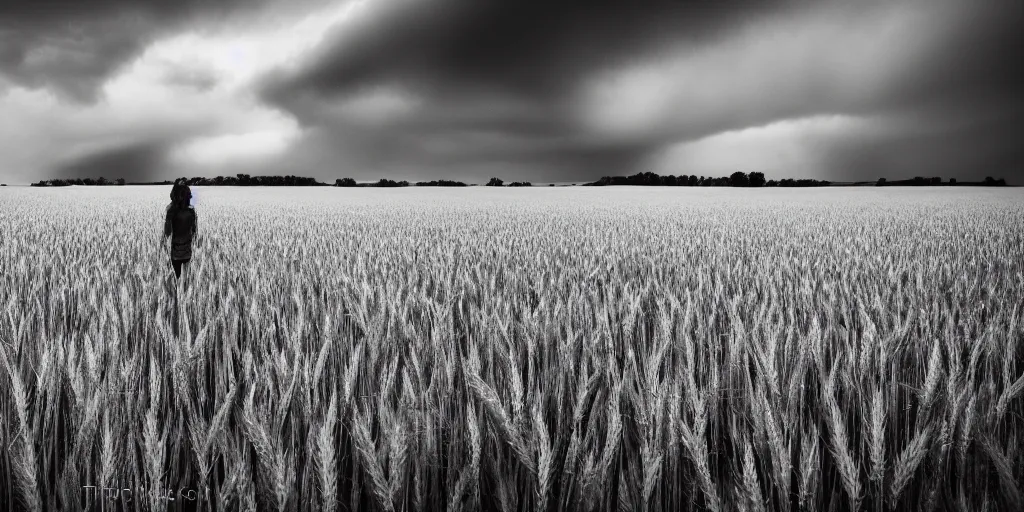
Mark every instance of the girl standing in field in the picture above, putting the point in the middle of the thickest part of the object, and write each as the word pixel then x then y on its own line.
pixel 181 225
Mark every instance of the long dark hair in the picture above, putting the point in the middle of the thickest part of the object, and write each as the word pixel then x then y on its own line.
pixel 180 196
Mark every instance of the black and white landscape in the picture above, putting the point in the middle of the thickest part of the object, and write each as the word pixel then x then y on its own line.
pixel 733 342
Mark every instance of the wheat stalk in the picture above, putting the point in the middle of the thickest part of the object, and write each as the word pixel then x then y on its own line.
pixel 907 463
pixel 1008 483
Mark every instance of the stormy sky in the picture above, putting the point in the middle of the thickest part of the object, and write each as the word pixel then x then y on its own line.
pixel 562 90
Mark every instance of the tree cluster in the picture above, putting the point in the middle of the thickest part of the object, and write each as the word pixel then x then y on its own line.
pixel 239 180
pixel 77 181
pixel 919 181
pixel 498 182
pixel 440 183
pixel 244 180
pixel 736 179
pixel 789 182
pixel 384 182
pixel 349 182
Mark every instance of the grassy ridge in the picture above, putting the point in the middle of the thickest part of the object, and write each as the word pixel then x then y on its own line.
pixel 451 351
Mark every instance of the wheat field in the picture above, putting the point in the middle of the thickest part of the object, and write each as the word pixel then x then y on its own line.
pixel 514 350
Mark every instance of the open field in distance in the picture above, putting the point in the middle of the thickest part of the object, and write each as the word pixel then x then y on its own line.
pixel 514 349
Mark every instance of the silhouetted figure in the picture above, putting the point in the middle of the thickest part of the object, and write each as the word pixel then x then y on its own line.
pixel 181 225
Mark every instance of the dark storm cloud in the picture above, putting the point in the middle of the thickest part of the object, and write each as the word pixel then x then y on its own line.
pixel 135 162
pixel 73 66
pixel 71 46
pixel 963 99
pixel 463 57
pixel 952 60
pixel 544 91
pixel 450 136
pixel 530 48
pixel 975 63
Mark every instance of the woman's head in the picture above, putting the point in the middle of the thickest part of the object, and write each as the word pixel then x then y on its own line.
pixel 180 195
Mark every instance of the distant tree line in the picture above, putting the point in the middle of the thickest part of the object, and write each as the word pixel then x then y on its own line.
pixel 78 181
pixel 919 181
pixel 498 182
pixel 440 183
pixel 736 179
pixel 390 183
pixel 757 179
pixel 244 180
pixel 349 182
pixel 240 180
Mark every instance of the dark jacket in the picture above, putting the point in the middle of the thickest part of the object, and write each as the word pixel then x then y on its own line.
pixel 181 225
